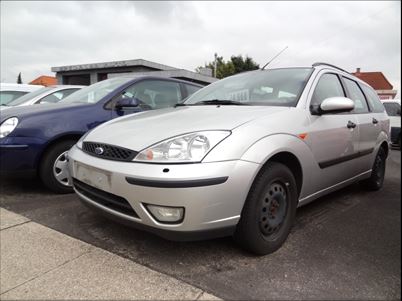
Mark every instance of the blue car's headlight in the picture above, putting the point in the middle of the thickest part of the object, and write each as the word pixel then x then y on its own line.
pixel 8 126
pixel 192 147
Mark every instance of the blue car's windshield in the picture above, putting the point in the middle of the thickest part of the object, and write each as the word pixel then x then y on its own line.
pixel 95 92
pixel 275 87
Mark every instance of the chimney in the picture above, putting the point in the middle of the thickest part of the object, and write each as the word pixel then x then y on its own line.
pixel 357 70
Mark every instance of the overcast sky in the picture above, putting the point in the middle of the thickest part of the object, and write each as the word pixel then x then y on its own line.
pixel 38 35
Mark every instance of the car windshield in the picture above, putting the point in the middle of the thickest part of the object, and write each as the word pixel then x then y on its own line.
pixel 392 108
pixel 95 92
pixel 276 87
pixel 28 97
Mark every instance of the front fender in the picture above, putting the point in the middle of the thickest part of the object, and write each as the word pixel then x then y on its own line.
pixel 264 149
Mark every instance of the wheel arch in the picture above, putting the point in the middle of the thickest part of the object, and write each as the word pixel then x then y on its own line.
pixel 290 161
pixel 51 143
pixel 288 150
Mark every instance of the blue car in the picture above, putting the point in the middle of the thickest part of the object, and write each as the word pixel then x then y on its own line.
pixel 34 140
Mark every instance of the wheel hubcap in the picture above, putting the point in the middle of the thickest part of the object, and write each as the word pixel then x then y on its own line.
pixel 60 170
pixel 273 209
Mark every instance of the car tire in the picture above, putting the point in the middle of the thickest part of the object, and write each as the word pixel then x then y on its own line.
pixel 269 211
pixel 53 167
pixel 376 180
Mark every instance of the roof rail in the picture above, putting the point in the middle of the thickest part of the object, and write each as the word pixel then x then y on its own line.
pixel 326 64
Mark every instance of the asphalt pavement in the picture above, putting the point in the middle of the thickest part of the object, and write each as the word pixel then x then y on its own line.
pixel 346 245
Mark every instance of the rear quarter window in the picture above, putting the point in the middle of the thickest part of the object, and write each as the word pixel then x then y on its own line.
pixel 375 104
pixel 191 89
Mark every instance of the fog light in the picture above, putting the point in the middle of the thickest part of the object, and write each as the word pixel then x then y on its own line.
pixel 166 214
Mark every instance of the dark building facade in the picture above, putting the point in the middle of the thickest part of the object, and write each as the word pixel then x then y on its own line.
pixel 87 74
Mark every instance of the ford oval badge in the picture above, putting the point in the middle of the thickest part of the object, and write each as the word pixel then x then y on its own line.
pixel 99 150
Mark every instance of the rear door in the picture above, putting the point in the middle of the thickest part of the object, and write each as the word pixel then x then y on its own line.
pixel 368 125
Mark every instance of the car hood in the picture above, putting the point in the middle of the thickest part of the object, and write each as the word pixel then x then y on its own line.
pixel 23 112
pixel 142 130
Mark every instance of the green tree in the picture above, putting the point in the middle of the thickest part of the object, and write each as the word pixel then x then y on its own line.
pixel 19 79
pixel 236 64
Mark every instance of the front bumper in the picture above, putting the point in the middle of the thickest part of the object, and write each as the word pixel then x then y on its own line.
pixel 212 194
pixel 18 155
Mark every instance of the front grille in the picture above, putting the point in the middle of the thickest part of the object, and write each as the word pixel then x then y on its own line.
pixel 107 151
pixel 104 198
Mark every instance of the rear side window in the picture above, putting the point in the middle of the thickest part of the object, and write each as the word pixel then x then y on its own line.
pixel 328 86
pixel 356 95
pixel 373 100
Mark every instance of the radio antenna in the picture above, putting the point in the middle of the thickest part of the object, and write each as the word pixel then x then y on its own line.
pixel 274 58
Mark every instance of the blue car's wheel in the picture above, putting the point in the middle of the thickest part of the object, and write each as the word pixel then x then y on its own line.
pixel 54 168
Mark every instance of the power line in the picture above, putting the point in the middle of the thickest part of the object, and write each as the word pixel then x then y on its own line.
pixel 344 29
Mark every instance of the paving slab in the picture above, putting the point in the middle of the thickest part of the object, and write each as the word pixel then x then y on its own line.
pixel 102 275
pixel 38 263
pixel 30 249
pixel 9 219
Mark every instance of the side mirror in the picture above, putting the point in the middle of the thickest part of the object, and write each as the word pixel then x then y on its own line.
pixel 334 105
pixel 127 102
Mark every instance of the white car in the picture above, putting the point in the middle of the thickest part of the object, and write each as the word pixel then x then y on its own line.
pixel 50 94
pixel 393 108
pixel 10 92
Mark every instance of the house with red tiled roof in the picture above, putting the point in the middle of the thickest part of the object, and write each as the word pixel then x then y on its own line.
pixel 379 82
pixel 44 80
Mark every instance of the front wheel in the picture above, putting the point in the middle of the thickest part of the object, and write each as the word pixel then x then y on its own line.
pixel 269 211
pixel 54 167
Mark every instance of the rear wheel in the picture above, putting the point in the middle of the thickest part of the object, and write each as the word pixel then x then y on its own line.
pixel 269 211
pixel 376 179
pixel 54 167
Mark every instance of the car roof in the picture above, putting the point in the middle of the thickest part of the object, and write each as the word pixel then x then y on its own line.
pixel 19 87
pixel 141 77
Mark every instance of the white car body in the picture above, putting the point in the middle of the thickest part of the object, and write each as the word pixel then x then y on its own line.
pixel 10 91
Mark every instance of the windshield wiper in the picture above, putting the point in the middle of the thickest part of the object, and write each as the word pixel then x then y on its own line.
pixel 221 102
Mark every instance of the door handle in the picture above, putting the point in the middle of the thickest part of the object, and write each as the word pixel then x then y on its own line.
pixel 375 121
pixel 351 125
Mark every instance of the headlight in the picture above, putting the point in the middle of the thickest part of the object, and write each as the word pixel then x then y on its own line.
pixel 8 126
pixel 191 147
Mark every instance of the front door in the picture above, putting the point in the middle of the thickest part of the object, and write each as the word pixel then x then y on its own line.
pixel 334 137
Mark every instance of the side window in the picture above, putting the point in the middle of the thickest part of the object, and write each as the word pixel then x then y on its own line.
pixel 57 96
pixel 356 95
pixel 328 86
pixel 9 96
pixel 191 89
pixel 373 100
pixel 156 94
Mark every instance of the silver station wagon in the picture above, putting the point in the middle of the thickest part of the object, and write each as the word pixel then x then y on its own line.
pixel 237 157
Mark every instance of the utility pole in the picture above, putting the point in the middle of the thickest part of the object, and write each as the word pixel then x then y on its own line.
pixel 215 64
